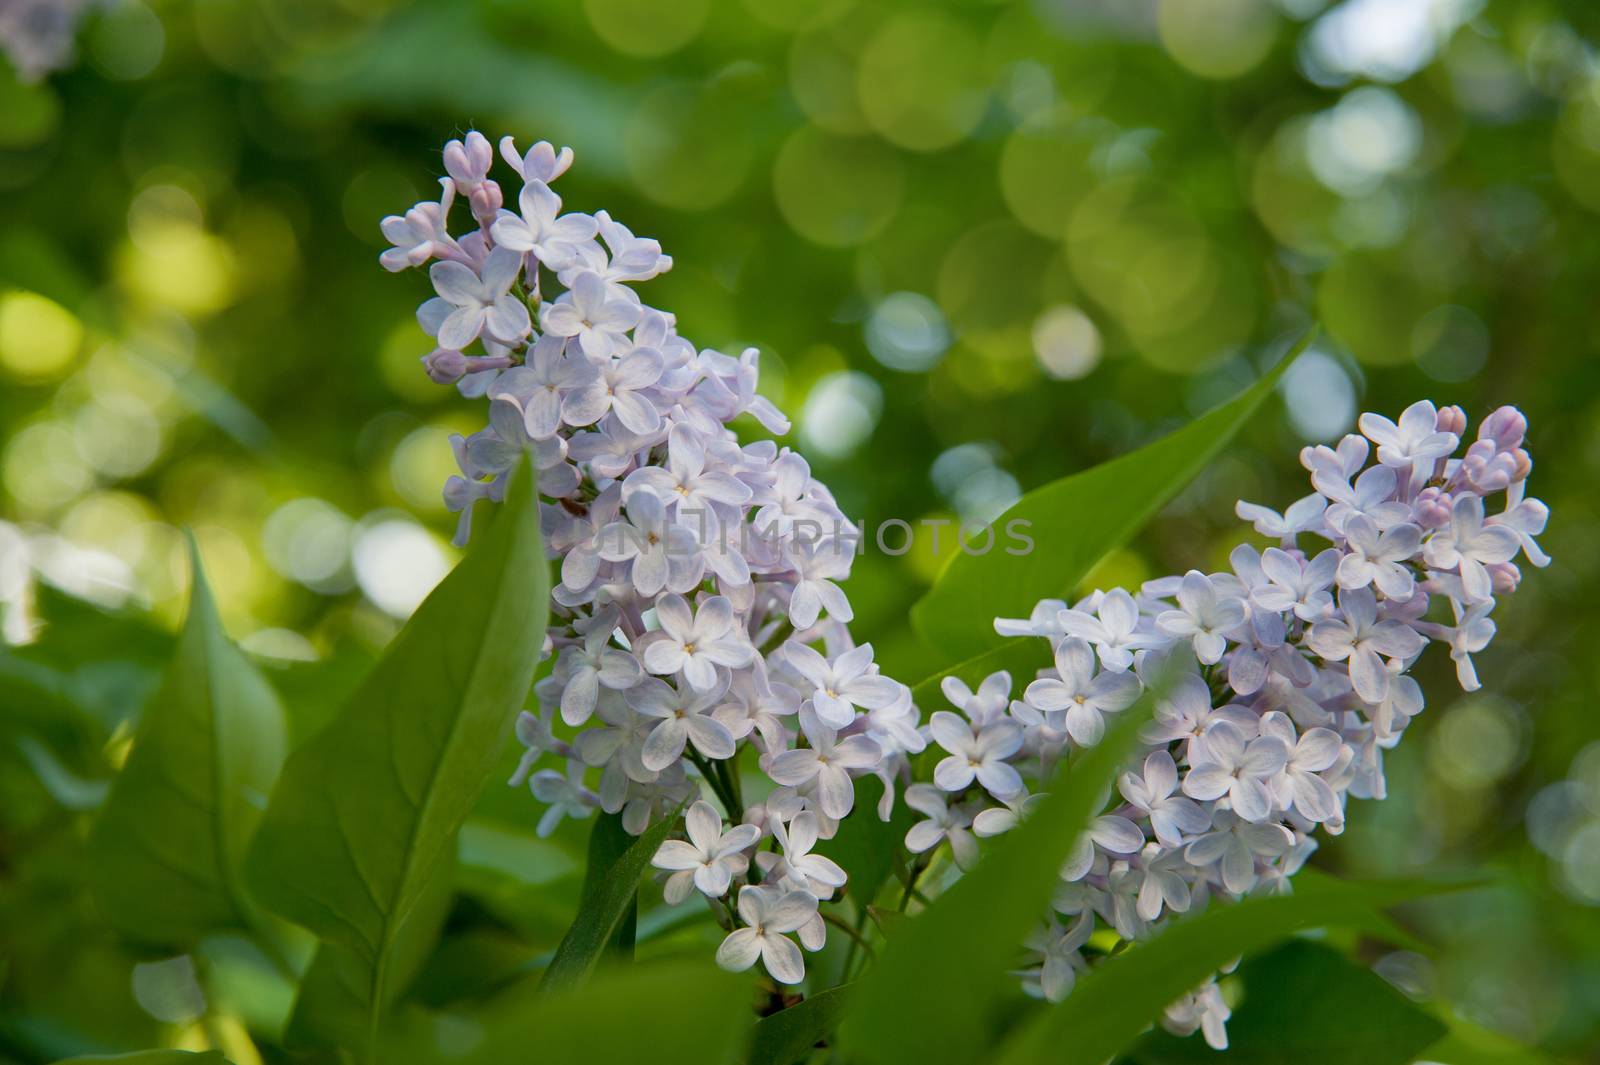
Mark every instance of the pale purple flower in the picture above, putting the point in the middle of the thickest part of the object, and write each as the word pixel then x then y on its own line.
pixel 683 718
pixel 1372 496
pixel 818 566
pixel 840 686
pixel 617 388
pixel 1414 442
pixel 980 755
pixel 827 762
pixel 1186 714
pixel 589 312
pixel 1299 785
pixel 709 859
pixel 1239 768
pixel 1109 832
pixel 1153 793
pixel 1468 545
pixel 943 822
pixel 690 482
pixel 420 233
pixel 798 868
pixel 1361 638
pixel 1526 518
pixel 539 386
pixel 1078 697
pixel 553 238
pixel 1113 629
pixel 1236 844
pixel 1379 558
pixel 470 303
pixel 659 551
pixel 768 917
pixel 1204 616
pixel 986 704
pixel 584 669
pixel 1304 515
pixel 1296 584
pixel 696 642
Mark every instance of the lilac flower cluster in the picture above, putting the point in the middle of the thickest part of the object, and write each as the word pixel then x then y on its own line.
pixel 1292 683
pixel 698 610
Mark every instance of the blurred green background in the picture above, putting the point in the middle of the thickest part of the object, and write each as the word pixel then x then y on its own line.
pixel 980 245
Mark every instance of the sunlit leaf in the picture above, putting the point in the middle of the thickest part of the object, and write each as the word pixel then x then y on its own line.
pixel 367 810
pixel 152 1057
pixel 335 1004
pixel 1122 996
pixel 1299 1002
pixel 172 836
pixel 1074 522
pixel 931 995
pixel 788 1036
pixel 607 904
pixel 663 1013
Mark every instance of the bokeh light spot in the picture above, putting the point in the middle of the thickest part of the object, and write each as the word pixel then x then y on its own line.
pixel 647 28
pixel 1066 342
pixel 39 338
pixel 840 412
pixel 1217 38
pixel 921 81
pixel 1320 396
pixel 397 563
pixel 907 331
pixel 835 191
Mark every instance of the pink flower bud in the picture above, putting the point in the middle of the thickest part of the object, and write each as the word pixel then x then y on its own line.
pixel 1452 420
pixel 1432 508
pixel 445 367
pixel 1506 427
pixel 1505 576
pixel 1524 465
pixel 468 164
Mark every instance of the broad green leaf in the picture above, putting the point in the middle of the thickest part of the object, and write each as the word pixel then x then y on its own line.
pixel 662 1013
pixel 1299 1001
pixel 1074 522
pixel 788 1036
pixel 335 1003
pixel 931 995
pixel 865 847
pixel 610 893
pixel 368 808
pixel 151 1057
pixel 1122 996
pixel 1469 1044
pixel 172 836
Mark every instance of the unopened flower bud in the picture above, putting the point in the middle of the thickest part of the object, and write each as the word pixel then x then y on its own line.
pixel 468 163
pixel 1452 420
pixel 1524 465
pixel 445 367
pixel 1505 576
pixel 1432 508
pixel 1506 427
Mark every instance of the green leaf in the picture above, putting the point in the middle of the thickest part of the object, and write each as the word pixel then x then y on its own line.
pixel 610 892
pixel 1074 522
pixel 171 839
pixel 152 1057
pixel 1299 1002
pixel 335 1003
pixel 665 1013
pixel 368 808
pixel 866 847
pixel 930 996
pixel 1469 1044
pixel 788 1036
pixel 1122 996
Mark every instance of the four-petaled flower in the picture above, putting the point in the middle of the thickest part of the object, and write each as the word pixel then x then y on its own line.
pixel 470 303
pixel 768 918
pixel 709 859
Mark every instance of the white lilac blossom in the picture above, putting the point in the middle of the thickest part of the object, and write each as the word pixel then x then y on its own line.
pixel 700 610
pixel 1292 683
